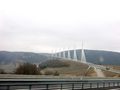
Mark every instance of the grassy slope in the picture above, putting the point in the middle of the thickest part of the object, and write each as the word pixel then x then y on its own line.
pixel 79 69
pixel 74 69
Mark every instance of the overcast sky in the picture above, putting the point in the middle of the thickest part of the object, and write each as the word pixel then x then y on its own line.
pixel 46 25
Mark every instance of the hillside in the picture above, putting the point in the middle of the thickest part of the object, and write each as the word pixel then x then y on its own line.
pixel 65 67
pixel 73 68
pixel 93 56
pixel 14 57
pixel 108 57
pixel 10 60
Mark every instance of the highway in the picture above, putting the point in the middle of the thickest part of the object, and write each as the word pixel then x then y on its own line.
pixel 101 67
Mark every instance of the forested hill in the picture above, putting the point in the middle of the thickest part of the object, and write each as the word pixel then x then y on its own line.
pixel 93 56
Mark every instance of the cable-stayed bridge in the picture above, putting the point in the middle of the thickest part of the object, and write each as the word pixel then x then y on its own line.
pixel 74 57
pixel 37 82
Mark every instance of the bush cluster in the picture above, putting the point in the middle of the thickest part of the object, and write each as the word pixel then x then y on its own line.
pixel 27 69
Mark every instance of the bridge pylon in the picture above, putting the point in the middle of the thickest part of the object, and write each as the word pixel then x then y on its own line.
pixel 75 55
pixel 83 57
pixel 68 54
pixel 64 56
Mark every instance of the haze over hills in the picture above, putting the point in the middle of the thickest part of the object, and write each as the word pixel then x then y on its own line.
pixel 93 56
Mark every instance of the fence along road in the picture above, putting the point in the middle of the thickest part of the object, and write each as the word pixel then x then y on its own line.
pixel 57 83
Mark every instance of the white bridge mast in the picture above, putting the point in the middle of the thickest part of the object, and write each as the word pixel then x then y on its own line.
pixel 83 58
